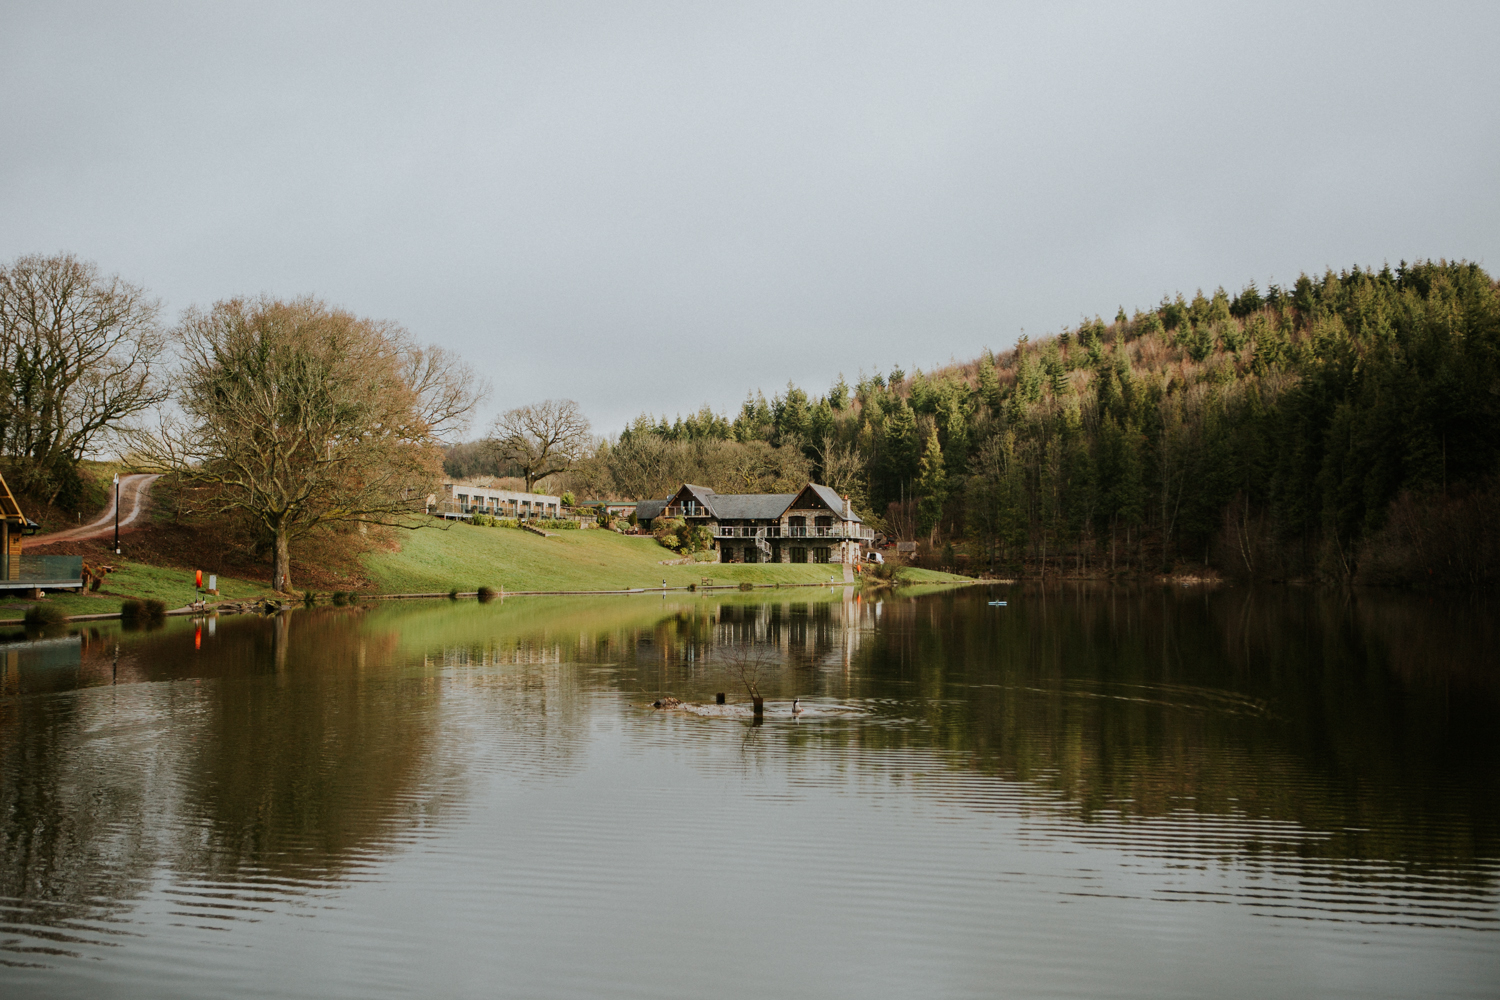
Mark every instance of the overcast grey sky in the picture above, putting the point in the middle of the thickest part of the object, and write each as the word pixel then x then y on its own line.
pixel 654 206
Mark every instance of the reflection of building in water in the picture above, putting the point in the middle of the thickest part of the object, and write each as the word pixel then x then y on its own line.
pixel 814 633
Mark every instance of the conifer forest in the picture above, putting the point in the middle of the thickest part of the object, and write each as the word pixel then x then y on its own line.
pixel 1346 428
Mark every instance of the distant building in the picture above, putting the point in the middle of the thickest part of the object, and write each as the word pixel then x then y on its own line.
pixel 460 501
pixel 616 508
pixel 812 525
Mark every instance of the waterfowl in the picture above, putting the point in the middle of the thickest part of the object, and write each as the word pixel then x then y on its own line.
pixel 796 709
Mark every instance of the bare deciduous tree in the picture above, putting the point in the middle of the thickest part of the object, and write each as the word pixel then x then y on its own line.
pixel 541 439
pixel 78 355
pixel 302 415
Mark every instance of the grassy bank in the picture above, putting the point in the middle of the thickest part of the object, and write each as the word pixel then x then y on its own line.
pixel 137 581
pixel 435 560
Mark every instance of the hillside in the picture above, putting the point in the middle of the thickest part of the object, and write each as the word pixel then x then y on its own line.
pixel 1346 428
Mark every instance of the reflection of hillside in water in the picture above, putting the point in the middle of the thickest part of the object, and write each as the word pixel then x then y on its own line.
pixel 1328 721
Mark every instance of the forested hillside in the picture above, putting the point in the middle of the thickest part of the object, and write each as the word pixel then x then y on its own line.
pixel 1345 428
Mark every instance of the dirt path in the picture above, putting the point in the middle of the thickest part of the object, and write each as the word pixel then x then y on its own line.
pixel 134 500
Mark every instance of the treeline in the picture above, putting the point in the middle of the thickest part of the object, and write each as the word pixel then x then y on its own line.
pixel 1346 428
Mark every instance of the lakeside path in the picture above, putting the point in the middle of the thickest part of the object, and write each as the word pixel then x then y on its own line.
pixel 135 493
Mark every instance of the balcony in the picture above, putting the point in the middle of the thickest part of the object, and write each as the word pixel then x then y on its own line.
pixel 834 531
pixel 686 510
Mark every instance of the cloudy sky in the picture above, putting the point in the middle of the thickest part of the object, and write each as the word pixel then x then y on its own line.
pixel 650 206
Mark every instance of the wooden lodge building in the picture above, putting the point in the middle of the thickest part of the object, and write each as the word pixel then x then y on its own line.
pixel 813 525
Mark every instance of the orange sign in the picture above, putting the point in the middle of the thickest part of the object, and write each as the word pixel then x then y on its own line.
pixel 199 581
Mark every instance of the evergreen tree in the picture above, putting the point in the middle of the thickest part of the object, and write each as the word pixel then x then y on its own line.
pixel 932 486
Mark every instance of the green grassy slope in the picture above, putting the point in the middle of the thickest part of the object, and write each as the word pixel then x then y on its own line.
pixel 133 580
pixel 436 560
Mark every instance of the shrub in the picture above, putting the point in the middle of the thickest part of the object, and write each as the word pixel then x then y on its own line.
pixel 130 611
pixel 486 595
pixel 556 524
pixel 453 594
pixel 340 598
pixel 44 615
pixel 747 585
pixel 309 598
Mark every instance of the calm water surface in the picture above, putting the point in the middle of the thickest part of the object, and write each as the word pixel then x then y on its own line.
pixel 1117 793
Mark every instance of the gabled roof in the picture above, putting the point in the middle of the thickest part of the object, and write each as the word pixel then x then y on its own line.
pixel 832 499
pixel 705 496
pixel 9 509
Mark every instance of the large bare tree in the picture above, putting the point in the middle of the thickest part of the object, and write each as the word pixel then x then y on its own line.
pixel 78 355
pixel 541 439
pixel 302 415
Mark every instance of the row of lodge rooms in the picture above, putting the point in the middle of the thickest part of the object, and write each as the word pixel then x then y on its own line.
pixel 813 525
pixel 459 501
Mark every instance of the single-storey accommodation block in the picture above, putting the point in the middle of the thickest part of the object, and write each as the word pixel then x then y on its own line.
pixel 460 501
pixel 812 525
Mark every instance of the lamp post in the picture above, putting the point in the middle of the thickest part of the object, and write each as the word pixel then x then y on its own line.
pixel 117 513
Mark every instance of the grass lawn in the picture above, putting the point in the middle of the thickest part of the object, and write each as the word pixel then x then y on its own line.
pixel 133 580
pixel 465 557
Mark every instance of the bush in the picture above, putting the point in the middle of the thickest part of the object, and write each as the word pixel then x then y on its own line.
pixel 486 594
pixel 453 594
pixel 340 598
pixel 556 524
pixel 747 585
pixel 309 598
pixel 44 615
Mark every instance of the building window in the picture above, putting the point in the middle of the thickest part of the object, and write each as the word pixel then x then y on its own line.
pixel 752 554
pixel 799 554
pixel 726 554
pixel 820 554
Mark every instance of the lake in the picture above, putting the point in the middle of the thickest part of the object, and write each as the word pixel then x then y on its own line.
pixel 1157 792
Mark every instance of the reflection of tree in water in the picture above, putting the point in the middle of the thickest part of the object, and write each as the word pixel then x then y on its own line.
pixel 294 747
pixel 315 750
pixel 78 811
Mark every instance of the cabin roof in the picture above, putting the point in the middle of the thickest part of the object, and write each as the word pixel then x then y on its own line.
pixel 9 509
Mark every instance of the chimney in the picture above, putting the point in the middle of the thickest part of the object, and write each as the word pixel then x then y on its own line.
pixel 847 512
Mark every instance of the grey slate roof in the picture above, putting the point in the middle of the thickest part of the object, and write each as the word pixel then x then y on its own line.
pixel 646 510
pixel 757 506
